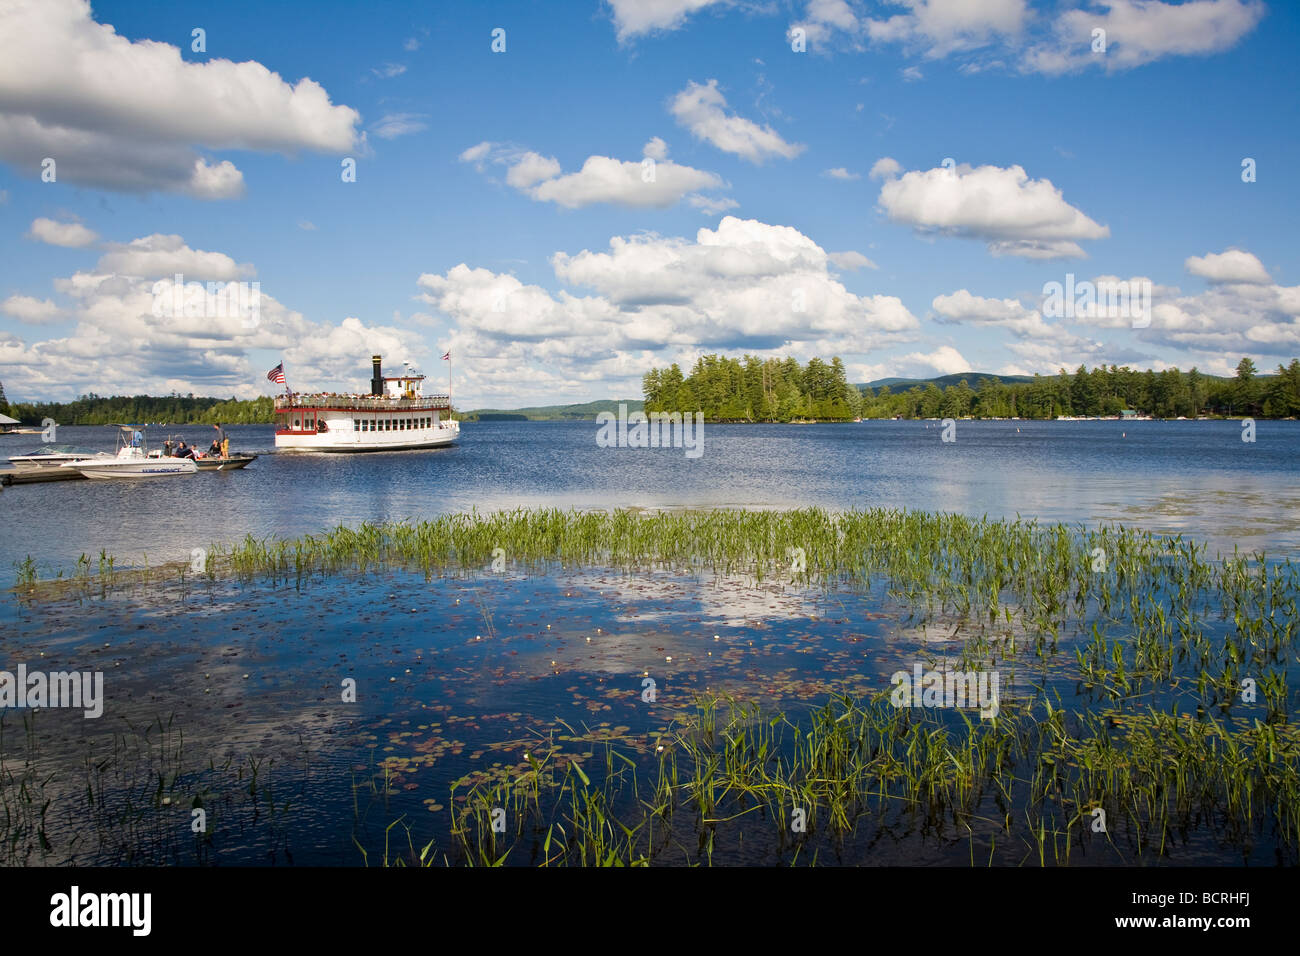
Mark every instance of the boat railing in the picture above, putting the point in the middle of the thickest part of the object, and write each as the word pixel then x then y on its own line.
pixel 363 403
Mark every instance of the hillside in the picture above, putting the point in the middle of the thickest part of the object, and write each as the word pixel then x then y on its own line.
pixel 973 380
pixel 585 411
pixel 943 381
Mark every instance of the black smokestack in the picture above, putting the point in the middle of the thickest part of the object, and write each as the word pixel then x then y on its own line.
pixel 377 383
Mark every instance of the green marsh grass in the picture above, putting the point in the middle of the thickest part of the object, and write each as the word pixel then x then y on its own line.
pixel 1161 638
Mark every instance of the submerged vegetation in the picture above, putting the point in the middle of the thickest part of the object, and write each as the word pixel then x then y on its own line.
pixel 1038 786
pixel 1146 715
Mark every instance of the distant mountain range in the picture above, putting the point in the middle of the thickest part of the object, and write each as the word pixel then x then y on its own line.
pixel 943 381
pixel 586 411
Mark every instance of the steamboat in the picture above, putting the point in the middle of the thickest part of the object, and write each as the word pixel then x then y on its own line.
pixel 395 415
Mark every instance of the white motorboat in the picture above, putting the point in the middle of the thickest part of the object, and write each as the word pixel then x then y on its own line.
pixel 52 456
pixel 131 460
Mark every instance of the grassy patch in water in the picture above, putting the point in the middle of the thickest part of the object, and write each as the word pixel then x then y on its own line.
pixel 1031 787
pixel 1178 732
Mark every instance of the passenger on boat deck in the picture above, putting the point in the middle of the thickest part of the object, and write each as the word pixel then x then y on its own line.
pixel 215 448
pixel 184 451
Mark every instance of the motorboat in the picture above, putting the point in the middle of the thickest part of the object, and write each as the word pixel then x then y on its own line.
pixel 52 456
pixel 229 463
pixel 132 460
pixel 45 463
pixel 221 460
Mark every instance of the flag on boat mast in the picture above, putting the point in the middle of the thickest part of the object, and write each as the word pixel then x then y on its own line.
pixel 446 357
pixel 277 375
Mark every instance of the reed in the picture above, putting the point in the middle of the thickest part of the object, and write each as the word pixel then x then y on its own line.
pixel 1158 638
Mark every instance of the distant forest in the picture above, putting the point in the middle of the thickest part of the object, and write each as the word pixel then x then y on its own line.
pixel 756 390
pixel 751 389
pixel 172 409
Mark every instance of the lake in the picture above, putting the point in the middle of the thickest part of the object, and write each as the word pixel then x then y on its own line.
pixel 361 712
pixel 1192 478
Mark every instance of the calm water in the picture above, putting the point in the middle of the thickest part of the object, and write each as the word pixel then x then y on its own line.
pixel 1195 478
pixel 459 678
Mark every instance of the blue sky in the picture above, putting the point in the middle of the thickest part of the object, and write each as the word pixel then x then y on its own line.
pixel 504 209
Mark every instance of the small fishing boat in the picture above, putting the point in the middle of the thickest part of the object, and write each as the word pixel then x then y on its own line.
pixel 222 464
pixel 218 458
pixel 131 460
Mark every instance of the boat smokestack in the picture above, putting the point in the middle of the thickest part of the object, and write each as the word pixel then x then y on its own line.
pixel 377 382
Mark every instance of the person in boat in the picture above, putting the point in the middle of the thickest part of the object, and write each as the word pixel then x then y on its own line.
pixel 214 450
pixel 184 451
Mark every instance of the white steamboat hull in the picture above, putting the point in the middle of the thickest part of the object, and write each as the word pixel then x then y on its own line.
pixel 342 437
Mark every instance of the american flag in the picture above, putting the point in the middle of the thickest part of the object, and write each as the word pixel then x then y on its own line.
pixel 446 356
pixel 276 374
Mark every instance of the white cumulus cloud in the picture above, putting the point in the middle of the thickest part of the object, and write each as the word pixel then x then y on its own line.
pixel 1014 214
pixel 701 108
pixel 1235 265
pixel 636 17
pixel 745 285
pixel 165 255
pixel 129 115
pixel 647 183
pixel 71 235
pixel 850 260
pixel 885 168
pixel 1138 32
pixel 26 308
